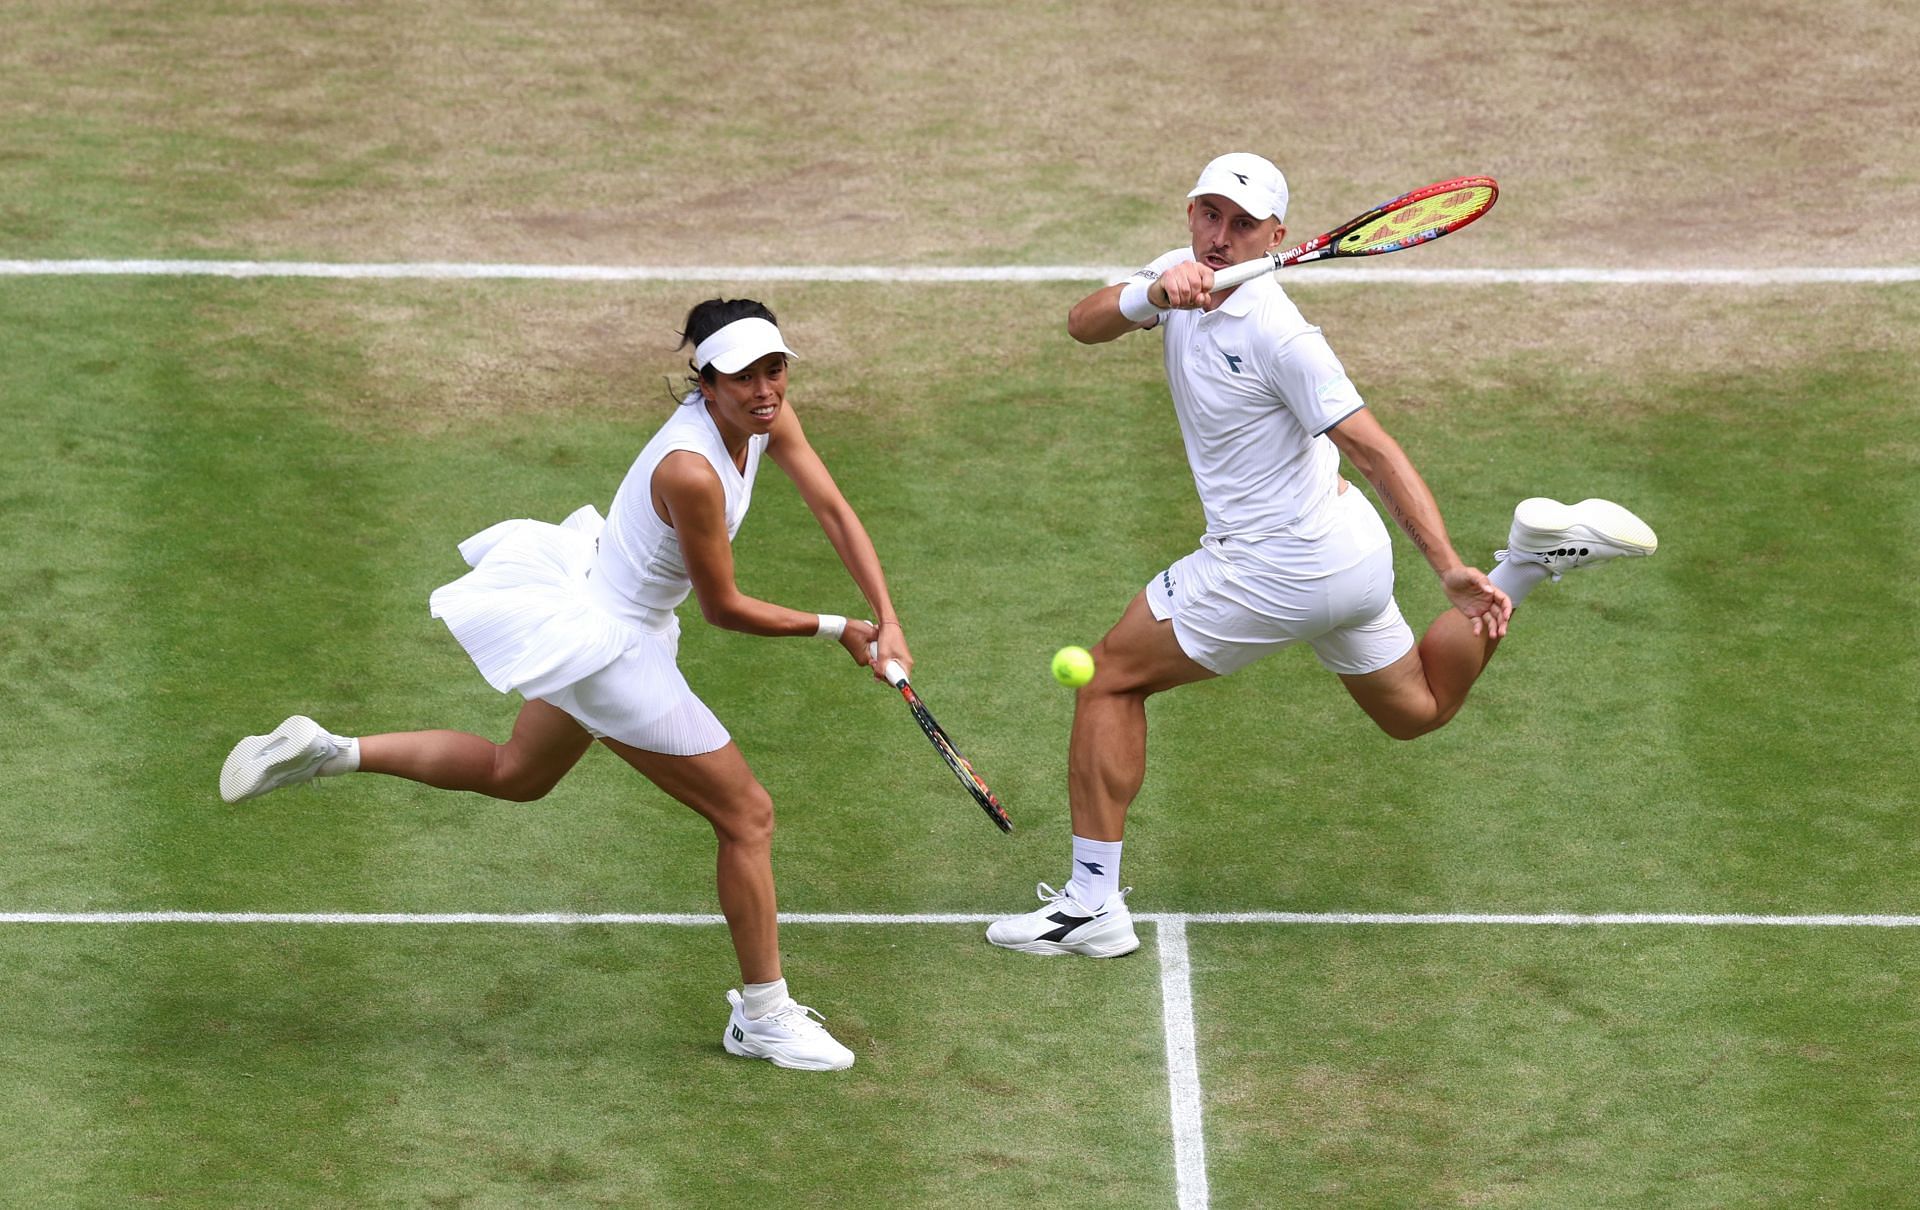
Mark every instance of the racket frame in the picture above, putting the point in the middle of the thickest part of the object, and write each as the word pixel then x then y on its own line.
pixel 1326 246
pixel 944 745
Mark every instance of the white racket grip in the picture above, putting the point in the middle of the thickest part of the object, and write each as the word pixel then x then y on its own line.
pixel 896 675
pixel 1245 271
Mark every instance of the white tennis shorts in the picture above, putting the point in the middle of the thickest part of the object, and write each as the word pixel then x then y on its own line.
pixel 642 700
pixel 1230 605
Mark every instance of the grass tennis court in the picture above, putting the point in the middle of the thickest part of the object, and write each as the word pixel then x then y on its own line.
pixel 227 500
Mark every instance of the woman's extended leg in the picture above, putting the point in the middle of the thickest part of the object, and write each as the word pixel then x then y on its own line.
pixel 545 744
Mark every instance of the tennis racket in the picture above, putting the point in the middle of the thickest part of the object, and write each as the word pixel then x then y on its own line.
pixel 1412 218
pixel 897 677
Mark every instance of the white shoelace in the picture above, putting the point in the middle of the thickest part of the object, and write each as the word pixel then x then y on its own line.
pixel 793 1017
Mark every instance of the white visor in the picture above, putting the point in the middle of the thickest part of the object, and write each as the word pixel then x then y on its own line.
pixel 738 345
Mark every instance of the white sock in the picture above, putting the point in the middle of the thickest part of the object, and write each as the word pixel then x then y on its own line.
pixel 1516 577
pixel 759 999
pixel 1096 871
pixel 346 760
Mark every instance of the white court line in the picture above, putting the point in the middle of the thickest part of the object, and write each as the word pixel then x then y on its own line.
pixel 1183 1067
pixel 1353 274
pixel 1552 919
pixel 1176 984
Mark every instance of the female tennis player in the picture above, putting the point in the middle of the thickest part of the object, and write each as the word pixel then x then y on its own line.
pixel 579 619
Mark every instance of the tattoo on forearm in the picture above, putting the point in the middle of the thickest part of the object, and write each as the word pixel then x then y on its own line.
pixel 1405 520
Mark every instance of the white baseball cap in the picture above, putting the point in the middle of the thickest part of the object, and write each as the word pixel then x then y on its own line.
pixel 740 344
pixel 1249 181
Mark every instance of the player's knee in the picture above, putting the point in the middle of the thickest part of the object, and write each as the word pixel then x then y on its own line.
pixel 748 819
pixel 1403 728
pixel 517 782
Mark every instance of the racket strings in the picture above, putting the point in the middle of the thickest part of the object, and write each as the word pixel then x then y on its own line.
pixel 1418 221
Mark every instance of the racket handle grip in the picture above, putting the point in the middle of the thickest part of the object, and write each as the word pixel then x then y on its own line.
pixel 896 675
pixel 1245 271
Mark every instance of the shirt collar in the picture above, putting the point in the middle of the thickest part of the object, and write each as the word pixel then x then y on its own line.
pixel 1241 301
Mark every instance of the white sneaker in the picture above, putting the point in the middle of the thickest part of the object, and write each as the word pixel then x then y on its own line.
pixel 1566 536
pixel 789 1036
pixel 293 753
pixel 1062 925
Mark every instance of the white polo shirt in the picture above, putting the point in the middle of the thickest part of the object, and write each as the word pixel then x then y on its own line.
pixel 1256 387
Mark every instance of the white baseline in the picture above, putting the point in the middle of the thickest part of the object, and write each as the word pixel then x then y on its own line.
pixel 1537 919
pixel 948 274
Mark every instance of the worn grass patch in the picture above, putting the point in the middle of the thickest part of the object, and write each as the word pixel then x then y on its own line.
pixel 890 132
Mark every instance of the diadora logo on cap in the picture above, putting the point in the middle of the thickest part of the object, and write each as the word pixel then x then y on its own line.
pixel 1233 363
pixel 1240 177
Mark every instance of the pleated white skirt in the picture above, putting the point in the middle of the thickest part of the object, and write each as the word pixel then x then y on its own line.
pixel 527 619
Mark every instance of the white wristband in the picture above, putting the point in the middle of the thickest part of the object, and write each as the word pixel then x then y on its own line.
pixel 1135 305
pixel 831 626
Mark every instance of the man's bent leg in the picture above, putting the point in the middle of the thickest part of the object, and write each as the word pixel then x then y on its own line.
pixel 1423 689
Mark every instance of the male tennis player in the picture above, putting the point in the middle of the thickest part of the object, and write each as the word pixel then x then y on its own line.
pixel 1292 552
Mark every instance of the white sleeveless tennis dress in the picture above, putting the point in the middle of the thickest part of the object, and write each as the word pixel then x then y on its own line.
pixel 581 614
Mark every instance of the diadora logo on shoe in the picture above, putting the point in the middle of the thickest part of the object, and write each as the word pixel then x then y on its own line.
pixel 1233 363
pixel 737 1035
pixel 1067 923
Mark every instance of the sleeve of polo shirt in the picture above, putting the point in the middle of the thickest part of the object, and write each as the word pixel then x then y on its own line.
pixel 1311 381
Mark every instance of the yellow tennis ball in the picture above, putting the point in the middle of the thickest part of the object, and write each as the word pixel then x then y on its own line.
pixel 1072 666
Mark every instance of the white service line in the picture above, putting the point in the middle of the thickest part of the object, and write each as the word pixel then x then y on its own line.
pixel 1183 1066
pixel 1333 274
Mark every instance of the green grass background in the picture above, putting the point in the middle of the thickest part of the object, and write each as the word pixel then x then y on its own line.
pixel 226 501
pixel 225 508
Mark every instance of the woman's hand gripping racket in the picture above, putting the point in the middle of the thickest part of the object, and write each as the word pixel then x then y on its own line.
pixel 1412 218
pixel 897 677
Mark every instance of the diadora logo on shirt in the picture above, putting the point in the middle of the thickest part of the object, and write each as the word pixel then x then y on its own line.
pixel 1233 363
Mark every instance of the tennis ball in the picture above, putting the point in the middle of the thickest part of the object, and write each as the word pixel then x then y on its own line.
pixel 1072 666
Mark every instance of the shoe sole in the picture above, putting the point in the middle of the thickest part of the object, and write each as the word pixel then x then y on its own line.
pixel 1539 523
pixel 1054 949
pixel 778 1060
pixel 252 765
